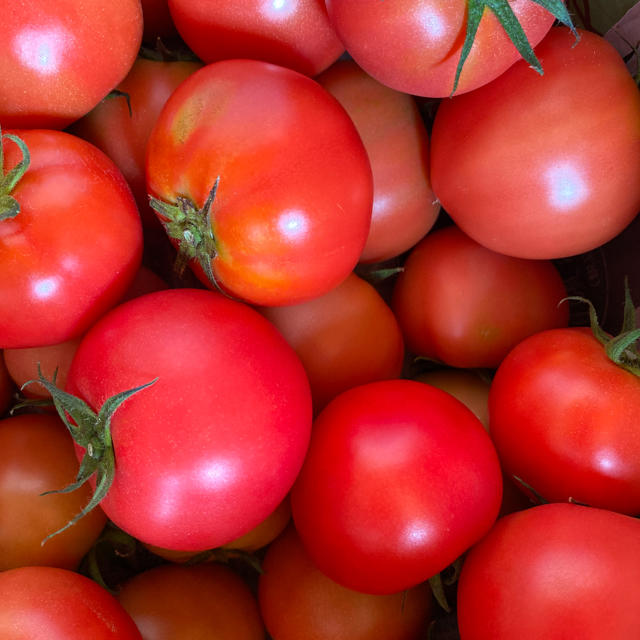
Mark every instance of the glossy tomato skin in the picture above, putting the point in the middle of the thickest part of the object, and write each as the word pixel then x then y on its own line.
pixel 418 42
pixel 397 143
pixel 563 419
pixel 400 479
pixel 209 451
pixel 293 206
pixel 467 306
pixel 37 455
pixel 75 246
pixel 543 166
pixel 47 603
pixel 292 33
pixel 61 58
pixel 554 571
pixel 298 601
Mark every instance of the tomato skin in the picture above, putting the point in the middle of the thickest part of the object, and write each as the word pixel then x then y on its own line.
pixel 295 181
pixel 418 42
pixel 209 451
pixel 61 58
pixel 543 166
pixel 47 603
pixel 554 571
pixel 400 479
pixel 397 143
pixel 292 33
pixel 563 419
pixel 37 455
pixel 467 306
pixel 75 246
pixel 297 600
pixel 201 601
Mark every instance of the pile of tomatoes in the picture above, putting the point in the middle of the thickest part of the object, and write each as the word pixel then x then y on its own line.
pixel 285 347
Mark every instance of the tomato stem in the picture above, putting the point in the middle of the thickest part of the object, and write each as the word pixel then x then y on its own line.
pixel 9 206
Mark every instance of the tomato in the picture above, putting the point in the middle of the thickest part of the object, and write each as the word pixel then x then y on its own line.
pixel 201 601
pixel 37 455
pixel 400 479
pixel 47 603
pixel 6 385
pixel 563 419
pixel 61 58
pixel 208 451
pixel 291 33
pixel 74 247
pixel 394 135
pixel 467 306
pixel 553 571
pixel 418 42
pixel 543 166
pixel 344 338
pixel 298 601
pixel 293 206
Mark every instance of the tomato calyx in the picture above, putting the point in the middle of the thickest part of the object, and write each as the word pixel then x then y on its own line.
pixel 507 18
pixel 93 432
pixel 191 228
pixel 9 206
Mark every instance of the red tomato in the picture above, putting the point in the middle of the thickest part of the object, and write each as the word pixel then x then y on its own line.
pixel 291 33
pixel 203 601
pixel 400 479
pixel 467 306
pixel 298 601
pixel 59 59
pixel 563 418
pixel 554 571
pixel 543 166
pixel 74 247
pixel 394 135
pixel 46 603
pixel 293 206
pixel 37 455
pixel 209 451
pixel 344 338
pixel 414 46
pixel 6 385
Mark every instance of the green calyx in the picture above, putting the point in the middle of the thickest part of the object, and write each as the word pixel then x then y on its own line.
pixel 91 431
pixel 9 206
pixel 509 22
pixel 191 228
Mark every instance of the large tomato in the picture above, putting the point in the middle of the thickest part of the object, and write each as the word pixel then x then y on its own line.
pixel 555 571
pixel 59 59
pixel 564 419
pixel 400 479
pixel 414 46
pixel 292 208
pixel 543 166
pixel 209 451
pixel 73 248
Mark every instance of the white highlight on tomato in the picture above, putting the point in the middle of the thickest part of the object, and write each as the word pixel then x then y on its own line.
pixel 45 287
pixel 432 22
pixel 293 224
pixel 279 9
pixel 417 533
pixel 566 188
pixel 217 473
pixel 42 49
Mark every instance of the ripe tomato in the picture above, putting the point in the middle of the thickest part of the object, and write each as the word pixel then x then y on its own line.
pixel 414 46
pixel 543 166
pixel 563 418
pixel 291 33
pixel 37 455
pixel 554 571
pixel 298 601
pixel 202 601
pixel 209 451
pixel 293 206
pixel 59 59
pixel 467 306
pixel 344 338
pixel 400 479
pixel 47 603
pixel 73 248
pixel 394 135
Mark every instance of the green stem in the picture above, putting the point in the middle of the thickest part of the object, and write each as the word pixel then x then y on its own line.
pixel 9 206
